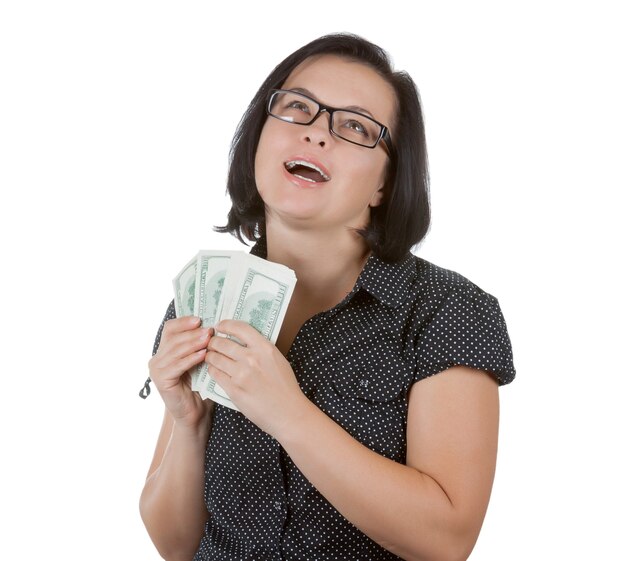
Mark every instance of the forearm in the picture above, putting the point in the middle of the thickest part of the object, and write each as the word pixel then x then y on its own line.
pixel 172 504
pixel 403 510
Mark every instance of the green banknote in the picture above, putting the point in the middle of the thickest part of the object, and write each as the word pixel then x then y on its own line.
pixel 185 289
pixel 211 270
pixel 218 285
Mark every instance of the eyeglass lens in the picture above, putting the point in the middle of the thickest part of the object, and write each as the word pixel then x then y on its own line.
pixel 296 108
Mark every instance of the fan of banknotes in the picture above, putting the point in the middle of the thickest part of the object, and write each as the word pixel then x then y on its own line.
pixel 217 285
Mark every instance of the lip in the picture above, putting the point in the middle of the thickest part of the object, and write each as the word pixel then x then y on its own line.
pixel 303 182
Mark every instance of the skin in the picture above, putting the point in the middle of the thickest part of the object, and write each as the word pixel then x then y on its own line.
pixel 357 173
pixel 432 508
pixel 172 504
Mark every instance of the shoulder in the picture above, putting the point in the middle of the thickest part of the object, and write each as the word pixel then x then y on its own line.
pixel 416 289
pixel 439 278
pixel 456 322
pixel 432 286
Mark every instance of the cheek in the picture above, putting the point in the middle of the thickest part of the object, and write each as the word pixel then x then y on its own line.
pixel 371 173
pixel 372 179
pixel 265 158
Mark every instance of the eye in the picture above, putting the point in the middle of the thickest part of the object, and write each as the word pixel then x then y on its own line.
pixel 356 126
pixel 299 105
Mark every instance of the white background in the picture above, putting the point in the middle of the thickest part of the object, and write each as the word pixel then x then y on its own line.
pixel 115 124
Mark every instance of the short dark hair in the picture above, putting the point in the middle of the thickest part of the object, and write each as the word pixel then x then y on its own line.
pixel 402 220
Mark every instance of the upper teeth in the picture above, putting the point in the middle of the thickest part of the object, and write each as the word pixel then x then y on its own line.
pixel 294 163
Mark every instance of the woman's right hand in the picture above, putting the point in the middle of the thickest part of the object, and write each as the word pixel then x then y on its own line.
pixel 183 345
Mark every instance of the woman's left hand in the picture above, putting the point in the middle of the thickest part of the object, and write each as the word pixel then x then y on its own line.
pixel 257 377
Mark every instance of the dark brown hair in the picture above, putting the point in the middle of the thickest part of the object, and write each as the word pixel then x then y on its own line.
pixel 403 218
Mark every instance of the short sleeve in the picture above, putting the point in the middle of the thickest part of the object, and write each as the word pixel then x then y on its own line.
pixel 170 313
pixel 467 329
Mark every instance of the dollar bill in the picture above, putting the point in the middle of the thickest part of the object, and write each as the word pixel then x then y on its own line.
pixel 257 292
pixel 185 289
pixel 218 285
pixel 211 270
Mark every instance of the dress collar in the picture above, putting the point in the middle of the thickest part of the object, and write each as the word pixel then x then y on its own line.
pixel 390 283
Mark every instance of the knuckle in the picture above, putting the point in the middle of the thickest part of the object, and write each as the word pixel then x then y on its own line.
pixel 254 362
pixel 154 362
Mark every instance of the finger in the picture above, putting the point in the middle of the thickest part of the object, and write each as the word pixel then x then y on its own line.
pixel 223 379
pixel 179 325
pixel 177 368
pixel 240 329
pixel 226 347
pixel 220 361
pixel 181 344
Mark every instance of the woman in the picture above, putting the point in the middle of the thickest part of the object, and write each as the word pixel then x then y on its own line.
pixel 346 445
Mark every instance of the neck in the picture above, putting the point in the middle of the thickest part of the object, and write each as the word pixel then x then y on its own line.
pixel 325 263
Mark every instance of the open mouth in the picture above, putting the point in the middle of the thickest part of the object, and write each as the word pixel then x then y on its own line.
pixel 307 171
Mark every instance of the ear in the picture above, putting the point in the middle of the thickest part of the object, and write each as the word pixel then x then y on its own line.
pixel 377 197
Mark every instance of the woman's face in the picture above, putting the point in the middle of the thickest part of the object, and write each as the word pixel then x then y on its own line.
pixel 357 174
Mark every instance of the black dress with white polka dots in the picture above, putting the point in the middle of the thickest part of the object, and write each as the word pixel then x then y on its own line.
pixel 401 323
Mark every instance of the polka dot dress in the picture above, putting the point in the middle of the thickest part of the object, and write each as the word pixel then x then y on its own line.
pixel 402 322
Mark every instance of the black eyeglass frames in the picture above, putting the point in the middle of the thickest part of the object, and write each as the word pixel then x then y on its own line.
pixel 299 109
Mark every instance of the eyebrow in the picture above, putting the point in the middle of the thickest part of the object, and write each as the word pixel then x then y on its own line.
pixel 356 108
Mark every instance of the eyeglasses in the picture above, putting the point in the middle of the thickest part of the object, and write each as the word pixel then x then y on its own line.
pixel 299 109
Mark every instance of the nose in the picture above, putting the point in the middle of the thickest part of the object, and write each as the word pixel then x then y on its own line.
pixel 318 132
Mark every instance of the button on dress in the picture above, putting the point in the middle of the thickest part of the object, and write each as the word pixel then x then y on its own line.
pixel 402 322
